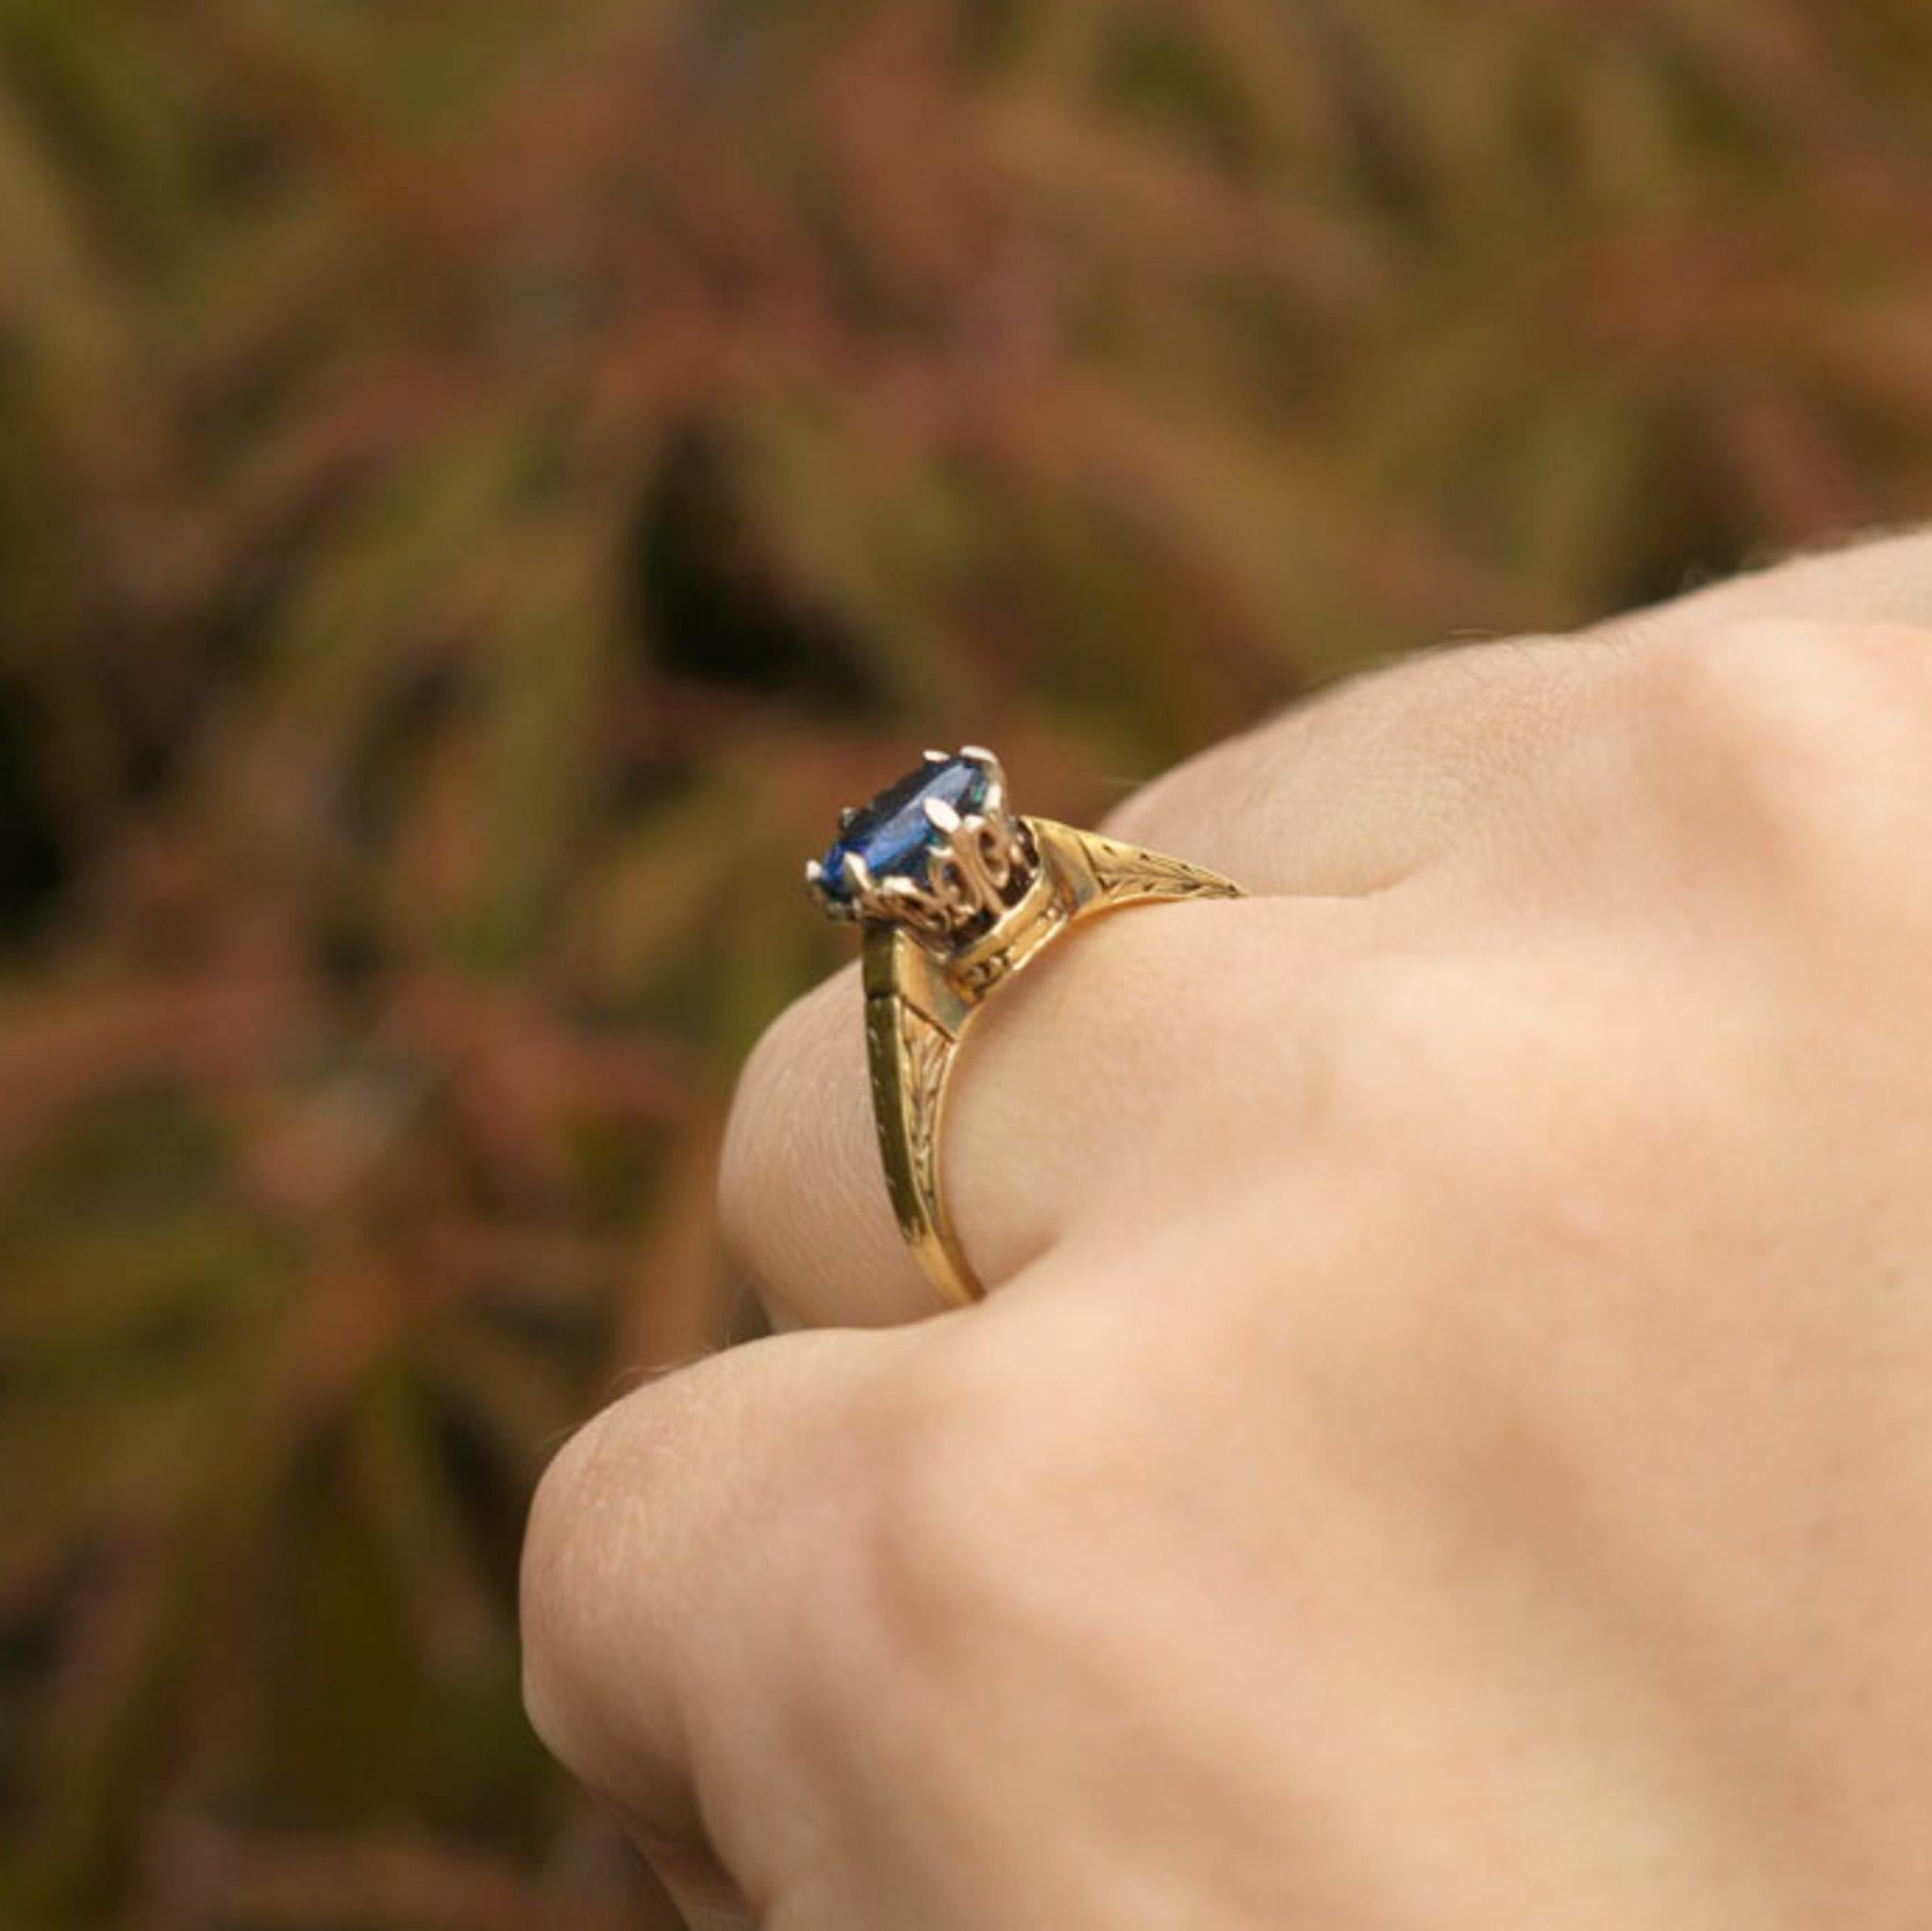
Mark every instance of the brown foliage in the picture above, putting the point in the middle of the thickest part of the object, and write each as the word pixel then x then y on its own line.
pixel 479 485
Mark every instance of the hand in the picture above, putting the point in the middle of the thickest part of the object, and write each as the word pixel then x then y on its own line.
pixel 1450 1441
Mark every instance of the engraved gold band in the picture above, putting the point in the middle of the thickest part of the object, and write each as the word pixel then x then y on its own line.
pixel 917 1004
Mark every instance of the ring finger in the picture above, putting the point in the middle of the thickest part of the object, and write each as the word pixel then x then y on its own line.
pixel 1319 811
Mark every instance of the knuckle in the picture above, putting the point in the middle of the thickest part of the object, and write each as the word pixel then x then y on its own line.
pixel 1759 766
pixel 930 1567
pixel 957 1518
pixel 1792 728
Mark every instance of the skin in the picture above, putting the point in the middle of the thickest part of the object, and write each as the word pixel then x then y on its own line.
pixel 1450 1440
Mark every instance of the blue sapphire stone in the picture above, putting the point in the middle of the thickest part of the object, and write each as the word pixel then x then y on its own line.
pixel 892 833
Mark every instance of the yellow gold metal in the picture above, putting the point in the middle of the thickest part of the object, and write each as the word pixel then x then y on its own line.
pixel 919 1001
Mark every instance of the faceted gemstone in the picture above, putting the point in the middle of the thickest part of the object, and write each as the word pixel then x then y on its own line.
pixel 893 835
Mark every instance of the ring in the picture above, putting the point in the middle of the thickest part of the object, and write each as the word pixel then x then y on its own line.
pixel 956 895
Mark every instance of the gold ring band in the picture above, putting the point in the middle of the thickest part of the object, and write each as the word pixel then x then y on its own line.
pixel 954 915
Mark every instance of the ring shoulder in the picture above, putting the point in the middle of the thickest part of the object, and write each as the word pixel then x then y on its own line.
pixel 1103 872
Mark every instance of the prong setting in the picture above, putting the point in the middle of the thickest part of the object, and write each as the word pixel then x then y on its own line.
pixel 995 778
pixel 948 859
pixel 815 885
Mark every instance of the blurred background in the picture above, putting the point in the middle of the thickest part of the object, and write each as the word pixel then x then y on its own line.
pixel 481 483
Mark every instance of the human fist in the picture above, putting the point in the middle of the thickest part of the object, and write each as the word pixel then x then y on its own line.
pixel 1450 1440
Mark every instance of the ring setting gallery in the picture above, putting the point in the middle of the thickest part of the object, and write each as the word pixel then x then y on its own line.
pixel 955 893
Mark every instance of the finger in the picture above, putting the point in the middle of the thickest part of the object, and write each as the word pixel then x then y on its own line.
pixel 1048 1129
pixel 1046 1111
pixel 1361 788
pixel 1364 785
pixel 802 1195
pixel 1336 801
pixel 671 1547
pixel 1048 1099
